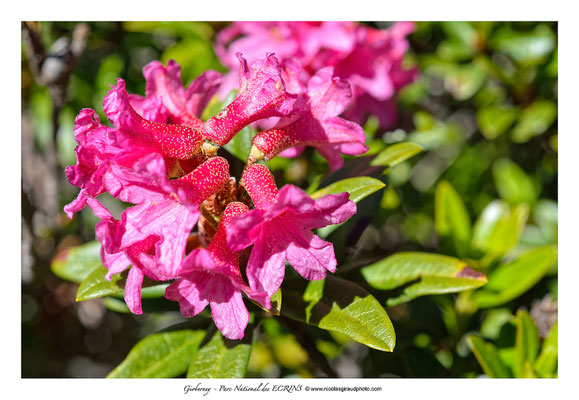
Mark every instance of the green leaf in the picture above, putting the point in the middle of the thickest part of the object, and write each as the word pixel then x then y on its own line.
pixel 161 355
pixel 95 285
pixel 512 183
pixel 240 144
pixel 395 154
pixel 488 358
pixel 534 120
pixel 76 263
pixel 358 188
pixel 423 273
pixel 495 119
pixel 526 344
pixel 546 363
pixel 451 217
pixel 498 229
pixel 220 358
pixel 511 280
pixel 339 305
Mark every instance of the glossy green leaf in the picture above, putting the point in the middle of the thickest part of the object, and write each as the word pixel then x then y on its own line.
pixel 495 119
pixel 526 345
pixel 421 274
pixel 339 305
pixel 95 285
pixel 451 217
pixel 546 363
pixel 534 120
pixel 498 229
pixel 511 280
pixel 512 183
pixel 161 355
pixel 358 188
pixel 488 358
pixel 220 358
pixel 395 154
pixel 76 263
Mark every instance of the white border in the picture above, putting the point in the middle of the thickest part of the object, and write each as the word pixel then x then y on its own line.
pixel 294 10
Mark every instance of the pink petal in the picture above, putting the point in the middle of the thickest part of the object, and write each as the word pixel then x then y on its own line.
pixel 266 265
pixel 150 108
pixel 310 256
pixel 292 198
pixel 243 231
pixel 200 92
pixel 292 152
pixel 165 84
pixel 175 141
pixel 166 219
pixel 260 185
pixel 329 95
pixel 133 290
pixel 186 293
pixel 228 310
pixel 262 94
pixel 204 181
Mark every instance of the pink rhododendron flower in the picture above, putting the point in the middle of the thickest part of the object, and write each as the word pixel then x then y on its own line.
pixel 317 123
pixel 262 94
pixel 157 158
pixel 212 276
pixel 152 235
pixel 370 59
pixel 176 141
pixel 279 228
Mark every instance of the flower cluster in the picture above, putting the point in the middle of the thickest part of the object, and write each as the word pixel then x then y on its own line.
pixel 370 59
pixel 190 220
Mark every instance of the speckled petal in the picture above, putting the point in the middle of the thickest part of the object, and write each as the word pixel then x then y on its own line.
pixel 175 141
pixel 260 184
pixel 262 94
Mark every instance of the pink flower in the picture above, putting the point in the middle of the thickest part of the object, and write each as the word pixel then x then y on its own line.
pixel 98 147
pixel 175 141
pixel 287 39
pixel 212 276
pixel 101 149
pixel 279 228
pixel 317 123
pixel 152 235
pixel 371 59
pixel 184 107
pixel 262 94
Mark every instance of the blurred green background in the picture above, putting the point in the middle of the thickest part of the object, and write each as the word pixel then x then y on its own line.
pixel 485 189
